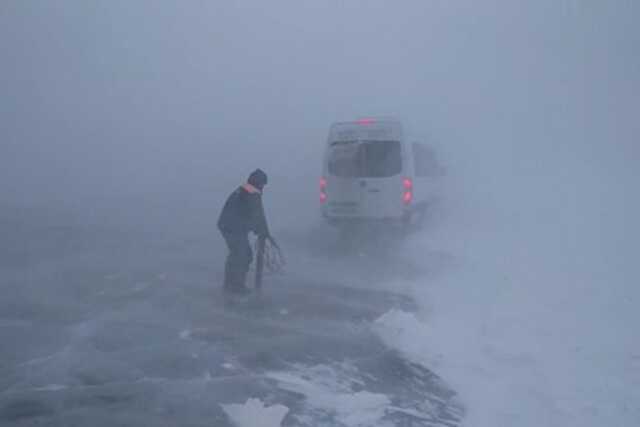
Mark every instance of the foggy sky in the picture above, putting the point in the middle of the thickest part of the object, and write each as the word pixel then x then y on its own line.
pixel 180 100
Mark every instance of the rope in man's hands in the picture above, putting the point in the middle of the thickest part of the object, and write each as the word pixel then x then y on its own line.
pixel 273 257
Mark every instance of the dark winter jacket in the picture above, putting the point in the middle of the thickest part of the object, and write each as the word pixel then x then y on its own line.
pixel 243 212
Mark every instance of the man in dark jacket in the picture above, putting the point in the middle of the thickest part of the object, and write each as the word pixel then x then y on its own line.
pixel 243 212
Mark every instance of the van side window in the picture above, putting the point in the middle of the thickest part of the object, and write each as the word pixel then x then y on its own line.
pixel 425 162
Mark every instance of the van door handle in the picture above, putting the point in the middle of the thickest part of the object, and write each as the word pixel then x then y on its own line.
pixel 373 190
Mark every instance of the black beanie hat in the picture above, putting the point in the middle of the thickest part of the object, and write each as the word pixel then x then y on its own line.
pixel 258 178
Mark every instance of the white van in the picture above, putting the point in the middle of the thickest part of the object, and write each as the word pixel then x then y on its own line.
pixel 372 173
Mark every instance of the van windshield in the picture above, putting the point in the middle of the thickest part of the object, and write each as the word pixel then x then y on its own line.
pixel 365 159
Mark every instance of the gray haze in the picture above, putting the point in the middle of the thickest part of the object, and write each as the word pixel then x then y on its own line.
pixel 124 102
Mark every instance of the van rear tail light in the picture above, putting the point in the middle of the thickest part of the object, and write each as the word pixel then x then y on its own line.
pixel 407 197
pixel 407 194
pixel 407 184
pixel 323 190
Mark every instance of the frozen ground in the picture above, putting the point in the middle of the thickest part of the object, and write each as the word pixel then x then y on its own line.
pixel 109 325
pixel 498 315
pixel 104 326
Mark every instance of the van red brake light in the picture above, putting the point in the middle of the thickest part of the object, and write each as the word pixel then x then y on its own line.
pixel 323 190
pixel 407 195
pixel 407 183
pixel 365 121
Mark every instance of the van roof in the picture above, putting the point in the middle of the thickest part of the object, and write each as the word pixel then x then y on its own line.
pixel 368 120
pixel 368 128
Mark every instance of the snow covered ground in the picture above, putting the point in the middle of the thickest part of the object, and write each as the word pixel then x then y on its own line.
pixel 535 322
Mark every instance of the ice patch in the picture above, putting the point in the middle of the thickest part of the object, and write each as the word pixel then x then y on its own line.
pixel 254 413
pixel 141 286
pixel 395 325
pixel 330 391
pixel 51 387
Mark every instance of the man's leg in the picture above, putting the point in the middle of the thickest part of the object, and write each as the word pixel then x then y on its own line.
pixel 238 260
pixel 230 269
pixel 228 272
pixel 244 262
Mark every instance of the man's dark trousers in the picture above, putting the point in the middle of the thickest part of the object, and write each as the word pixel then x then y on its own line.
pixel 238 260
